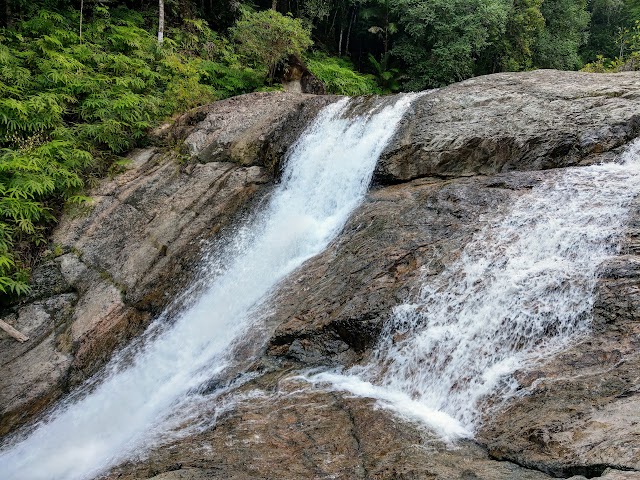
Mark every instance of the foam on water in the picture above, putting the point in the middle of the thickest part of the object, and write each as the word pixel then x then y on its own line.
pixel 326 176
pixel 522 288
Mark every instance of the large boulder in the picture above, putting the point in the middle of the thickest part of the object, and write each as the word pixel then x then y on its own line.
pixel 514 121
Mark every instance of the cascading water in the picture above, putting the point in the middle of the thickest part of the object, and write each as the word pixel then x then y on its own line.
pixel 521 289
pixel 326 176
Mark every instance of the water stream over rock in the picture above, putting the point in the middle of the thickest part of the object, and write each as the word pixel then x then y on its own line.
pixel 521 289
pixel 326 176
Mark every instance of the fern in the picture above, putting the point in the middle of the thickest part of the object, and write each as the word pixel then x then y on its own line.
pixel 340 77
pixel 68 110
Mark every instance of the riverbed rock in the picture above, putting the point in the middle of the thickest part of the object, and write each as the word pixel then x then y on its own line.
pixel 284 430
pixel 461 157
pixel 514 121
pixel 581 411
pixel 116 262
pixel 333 309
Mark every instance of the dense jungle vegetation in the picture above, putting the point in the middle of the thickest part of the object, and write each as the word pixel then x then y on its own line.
pixel 82 82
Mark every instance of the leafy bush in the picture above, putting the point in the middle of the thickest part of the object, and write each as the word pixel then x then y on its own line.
pixel 629 60
pixel 441 40
pixel 340 77
pixel 267 38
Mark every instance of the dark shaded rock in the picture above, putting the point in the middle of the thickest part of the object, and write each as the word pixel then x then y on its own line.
pixel 333 309
pixel 297 78
pixel 312 84
pixel 47 281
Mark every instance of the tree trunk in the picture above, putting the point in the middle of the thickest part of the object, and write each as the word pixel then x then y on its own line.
pixel 332 23
pixel 81 12
pixel 160 22
pixel 7 13
pixel 274 5
pixel 13 332
pixel 353 17
pixel 340 42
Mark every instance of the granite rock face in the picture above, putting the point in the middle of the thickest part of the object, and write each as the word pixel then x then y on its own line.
pixel 514 121
pixel 459 160
pixel 581 411
pixel 115 265
pixel 332 311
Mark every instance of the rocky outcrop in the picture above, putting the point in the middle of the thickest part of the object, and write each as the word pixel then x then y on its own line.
pixel 254 129
pixel 527 121
pixel 580 416
pixel 332 311
pixel 296 77
pixel 461 157
pixel 115 264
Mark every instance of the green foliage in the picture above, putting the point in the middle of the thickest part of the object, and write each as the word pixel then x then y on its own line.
pixel 214 62
pixel 231 79
pixel 441 39
pixel 339 76
pixel 388 78
pixel 566 30
pixel 267 38
pixel 608 17
pixel 524 27
pixel 628 60
pixel 68 109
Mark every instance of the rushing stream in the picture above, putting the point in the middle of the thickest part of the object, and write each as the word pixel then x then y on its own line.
pixel 326 176
pixel 522 288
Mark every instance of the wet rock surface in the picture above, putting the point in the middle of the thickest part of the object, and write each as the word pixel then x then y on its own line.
pixel 461 158
pixel 115 264
pixel 514 121
pixel 333 310
pixel 581 410
pixel 289 431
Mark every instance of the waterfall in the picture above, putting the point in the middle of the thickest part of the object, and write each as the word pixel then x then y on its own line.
pixel 522 288
pixel 326 176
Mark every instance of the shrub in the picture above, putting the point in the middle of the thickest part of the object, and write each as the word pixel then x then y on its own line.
pixel 340 77
pixel 68 109
pixel 267 38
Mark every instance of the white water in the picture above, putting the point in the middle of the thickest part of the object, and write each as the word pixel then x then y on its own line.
pixel 326 176
pixel 522 288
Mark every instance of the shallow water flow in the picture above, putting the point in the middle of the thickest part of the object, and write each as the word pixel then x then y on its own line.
pixel 522 288
pixel 326 176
